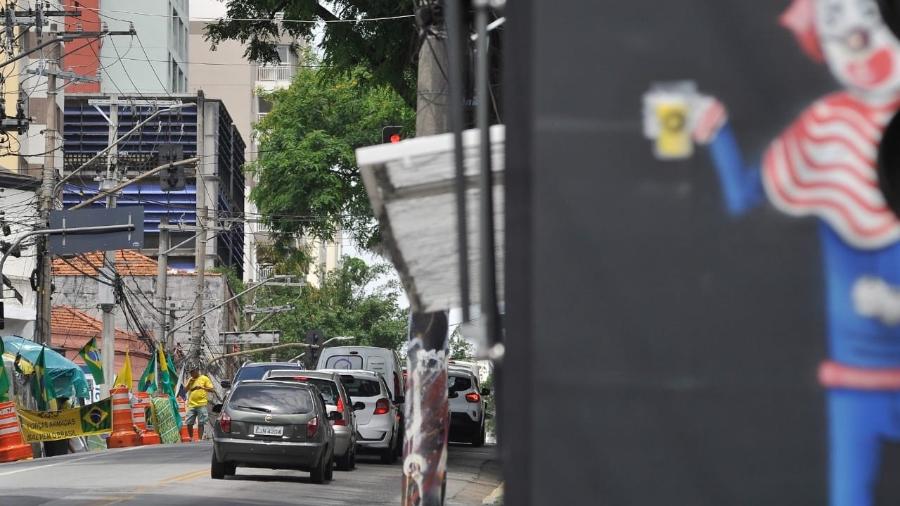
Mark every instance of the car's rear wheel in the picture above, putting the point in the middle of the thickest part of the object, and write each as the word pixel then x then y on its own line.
pixel 388 455
pixel 329 469
pixel 478 440
pixel 348 461
pixel 217 469
pixel 317 474
pixel 230 468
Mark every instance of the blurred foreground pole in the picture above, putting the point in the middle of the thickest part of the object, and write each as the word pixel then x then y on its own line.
pixel 426 409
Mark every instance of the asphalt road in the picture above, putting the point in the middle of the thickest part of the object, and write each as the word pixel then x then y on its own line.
pixel 177 475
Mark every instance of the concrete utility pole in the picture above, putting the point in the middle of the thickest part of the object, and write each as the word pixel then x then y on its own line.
pixel 162 278
pixel 200 244
pixel 426 406
pixel 107 293
pixel 48 182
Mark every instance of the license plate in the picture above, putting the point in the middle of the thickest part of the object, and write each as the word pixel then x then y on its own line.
pixel 268 430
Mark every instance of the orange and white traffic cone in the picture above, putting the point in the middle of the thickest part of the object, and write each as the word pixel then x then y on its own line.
pixel 12 444
pixel 185 437
pixel 139 417
pixel 123 427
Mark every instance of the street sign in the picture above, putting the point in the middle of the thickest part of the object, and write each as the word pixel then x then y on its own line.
pixel 261 337
pixel 67 244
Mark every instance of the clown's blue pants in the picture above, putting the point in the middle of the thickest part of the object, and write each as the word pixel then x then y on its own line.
pixel 860 421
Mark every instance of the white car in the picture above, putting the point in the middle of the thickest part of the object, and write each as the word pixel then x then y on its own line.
pixel 378 422
pixel 466 405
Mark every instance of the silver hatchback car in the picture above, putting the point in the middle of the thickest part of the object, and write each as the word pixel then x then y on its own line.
pixel 336 401
pixel 273 424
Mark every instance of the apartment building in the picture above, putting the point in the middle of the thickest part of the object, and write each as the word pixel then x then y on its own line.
pixel 241 85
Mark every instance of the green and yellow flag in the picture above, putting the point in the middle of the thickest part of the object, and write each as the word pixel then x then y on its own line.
pixel 4 378
pixel 147 383
pixel 124 377
pixel 90 353
pixel 41 385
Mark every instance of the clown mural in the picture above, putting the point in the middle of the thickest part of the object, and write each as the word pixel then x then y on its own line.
pixel 829 164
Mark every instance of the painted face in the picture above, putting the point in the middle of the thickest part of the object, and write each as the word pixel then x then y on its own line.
pixel 862 53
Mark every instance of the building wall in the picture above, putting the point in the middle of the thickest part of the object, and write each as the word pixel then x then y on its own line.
pixel 83 53
pixel 80 292
pixel 19 211
pixel 163 69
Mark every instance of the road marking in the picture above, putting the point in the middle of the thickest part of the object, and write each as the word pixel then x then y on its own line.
pixel 118 498
pixel 185 477
pixel 63 462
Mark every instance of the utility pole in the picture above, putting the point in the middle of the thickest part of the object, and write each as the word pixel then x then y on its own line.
pixel 48 182
pixel 200 244
pixel 106 293
pixel 426 406
pixel 162 278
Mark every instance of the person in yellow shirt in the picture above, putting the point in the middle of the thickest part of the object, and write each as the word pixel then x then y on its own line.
pixel 197 389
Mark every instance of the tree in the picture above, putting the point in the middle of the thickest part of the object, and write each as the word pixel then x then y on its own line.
pixel 386 48
pixel 309 183
pixel 460 348
pixel 354 300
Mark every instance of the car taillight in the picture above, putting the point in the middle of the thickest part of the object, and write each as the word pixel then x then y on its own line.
pixel 340 409
pixel 312 426
pixel 225 422
pixel 473 397
pixel 381 407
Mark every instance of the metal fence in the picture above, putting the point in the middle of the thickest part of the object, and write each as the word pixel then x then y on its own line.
pixel 275 73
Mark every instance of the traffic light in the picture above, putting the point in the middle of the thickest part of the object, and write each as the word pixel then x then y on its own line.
pixel 314 340
pixel 391 134
pixel 171 178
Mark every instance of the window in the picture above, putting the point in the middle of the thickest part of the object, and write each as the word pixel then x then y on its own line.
pixel 376 364
pixel 255 372
pixel 458 383
pixel 360 387
pixel 344 362
pixel 278 399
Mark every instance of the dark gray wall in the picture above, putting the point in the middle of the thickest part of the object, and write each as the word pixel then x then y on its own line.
pixel 660 352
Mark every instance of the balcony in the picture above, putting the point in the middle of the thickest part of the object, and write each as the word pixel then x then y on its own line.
pixel 275 73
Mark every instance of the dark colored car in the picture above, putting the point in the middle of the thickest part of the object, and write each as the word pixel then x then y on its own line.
pixel 276 425
pixel 256 371
pixel 336 400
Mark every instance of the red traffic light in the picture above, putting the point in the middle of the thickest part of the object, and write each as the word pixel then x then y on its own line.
pixel 391 134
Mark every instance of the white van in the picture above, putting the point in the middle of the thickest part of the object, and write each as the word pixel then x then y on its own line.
pixel 368 358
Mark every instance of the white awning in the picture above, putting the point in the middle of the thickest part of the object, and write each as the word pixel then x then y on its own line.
pixel 411 186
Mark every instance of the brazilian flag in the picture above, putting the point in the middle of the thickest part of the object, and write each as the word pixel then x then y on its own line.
pixel 147 383
pixel 4 378
pixel 90 353
pixel 96 417
pixel 41 385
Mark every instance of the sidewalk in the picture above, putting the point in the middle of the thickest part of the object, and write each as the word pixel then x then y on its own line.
pixel 473 474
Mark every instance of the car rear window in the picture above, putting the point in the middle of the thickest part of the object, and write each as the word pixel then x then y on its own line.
pixel 285 400
pixel 326 387
pixel 255 372
pixel 458 383
pixel 360 387
pixel 343 362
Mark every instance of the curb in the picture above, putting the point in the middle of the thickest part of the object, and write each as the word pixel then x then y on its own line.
pixel 495 497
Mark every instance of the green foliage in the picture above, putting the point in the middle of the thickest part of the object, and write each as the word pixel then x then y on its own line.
pixel 354 300
pixel 386 49
pixel 309 184
pixel 460 348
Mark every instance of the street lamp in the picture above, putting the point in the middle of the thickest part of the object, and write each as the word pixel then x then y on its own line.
pixel 327 341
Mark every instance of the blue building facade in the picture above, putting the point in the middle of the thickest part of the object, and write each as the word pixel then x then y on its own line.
pixel 86 132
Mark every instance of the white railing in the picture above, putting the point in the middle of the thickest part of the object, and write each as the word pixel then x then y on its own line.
pixel 275 73
pixel 264 272
pixel 260 116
